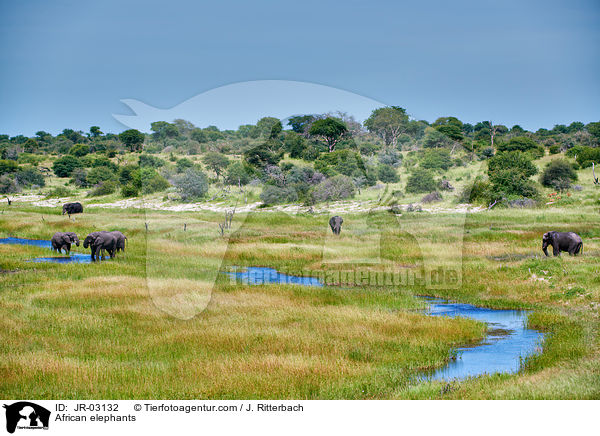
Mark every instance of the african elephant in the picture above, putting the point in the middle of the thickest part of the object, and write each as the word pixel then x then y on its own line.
pixel 72 208
pixel 562 241
pixel 121 239
pixel 100 242
pixel 64 240
pixel 336 224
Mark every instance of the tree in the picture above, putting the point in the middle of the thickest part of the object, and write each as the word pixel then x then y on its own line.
pixel 330 129
pixel 133 139
pixel 263 154
pixel 64 166
pixel 163 131
pixel 265 125
pixel 452 127
pixel 301 123
pixel 558 174
pixel 420 181
pixel 336 188
pixel 387 174
pixel 524 144
pixel 237 174
pixel 594 130
pixel 509 174
pixel 217 162
pixel 95 131
pixel 193 184
pixel 388 123
pixel 79 150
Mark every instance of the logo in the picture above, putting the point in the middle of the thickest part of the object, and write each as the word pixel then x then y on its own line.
pixel 26 415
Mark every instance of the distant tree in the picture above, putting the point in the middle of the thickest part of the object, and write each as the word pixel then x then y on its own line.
pixel 301 123
pixel 388 123
pixel 294 144
pixel 421 181
pixel 95 131
pixel 263 154
pixel 330 129
pixel 217 162
pixel 8 166
pixel 237 174
pixel 576 126
pixel 79 150
pixel 73 136
pixel 184 127
pixel 438 159
pixel 435 139
pixel 452 127
pixel 265 125
pixel 594 130
pixel 133 139
pixel 198 135
pixel 43 136
pixel 276 129
pixel 164 131
pixel 387 174
pixel 30 146
pixel 509 174
pixel 524 144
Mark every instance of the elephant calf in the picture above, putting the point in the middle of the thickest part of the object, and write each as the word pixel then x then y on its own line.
pixel 99 242
pixel 336 224
pixel 64 240
pixel 562 241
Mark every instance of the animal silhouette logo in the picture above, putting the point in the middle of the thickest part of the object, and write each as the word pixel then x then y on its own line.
pixel 26 415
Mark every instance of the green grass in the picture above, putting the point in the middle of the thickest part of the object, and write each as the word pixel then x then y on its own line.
pixel 161 322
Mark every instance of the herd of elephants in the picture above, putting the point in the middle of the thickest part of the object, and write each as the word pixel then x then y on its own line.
pixel 113 242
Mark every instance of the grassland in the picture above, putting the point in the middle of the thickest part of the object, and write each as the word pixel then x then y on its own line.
pixel 161 322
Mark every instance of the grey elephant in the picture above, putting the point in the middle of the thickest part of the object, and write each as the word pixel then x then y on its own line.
pixel 99 242
pixel 72 208
pixel 336 224
pixel 562 241
pixel 64 240
pixel 121 239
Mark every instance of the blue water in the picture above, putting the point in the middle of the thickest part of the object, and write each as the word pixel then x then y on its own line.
pixel 73 258
pixel 507 343
pixel 265 276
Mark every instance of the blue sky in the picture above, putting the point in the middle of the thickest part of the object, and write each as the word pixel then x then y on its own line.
pixel 69 63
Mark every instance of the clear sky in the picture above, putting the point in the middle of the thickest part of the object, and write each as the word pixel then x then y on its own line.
pixel 69 63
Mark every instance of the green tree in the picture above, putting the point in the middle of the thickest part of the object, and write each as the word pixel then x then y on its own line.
pixel 193 184
pixel 509 174
pixel 215 161
pixel 594 130
pixel 389 123
pixel 95 131
pixel 263 154
pixel 420 181
pixel 164 131
pixel 452 127
pixel 524 144
pixel 387 174
pixel 301 123
pixel 79 150
pixel 265 125
pixel 133 139
pixel 330 129
pixel 237 174
pixel 64 166
pixel 558 174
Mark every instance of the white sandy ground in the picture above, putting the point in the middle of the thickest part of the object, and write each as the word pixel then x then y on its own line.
pixel 157 204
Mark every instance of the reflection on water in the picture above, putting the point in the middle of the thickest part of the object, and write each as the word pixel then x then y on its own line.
pixel 73 258
pixel 508 342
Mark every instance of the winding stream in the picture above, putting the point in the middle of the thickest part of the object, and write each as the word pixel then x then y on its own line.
pixel 506 344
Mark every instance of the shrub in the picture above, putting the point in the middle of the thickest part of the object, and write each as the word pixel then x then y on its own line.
pixel 151 181
pixel 487 153
pixel 103 161
pixel 30 176
pixel 523 144
pixel 129 190
pixel 333 189
pixel 387 174
pixel 127 173
pixel 192 184
pixel 438 159
pixel 8 166
pixel 390 157
pixel 8 184
pixel 554 149
pixel 558 174
pixel 183 164
pixel 79 150
pixel 274 195
pixel 420 180
pixel 98 175
pixel 64 166
pixel 237 173
pixel 479 191
pixel 586 155
pixel 29 158
pixel 59 191
pixel 79 177
pixel 104 188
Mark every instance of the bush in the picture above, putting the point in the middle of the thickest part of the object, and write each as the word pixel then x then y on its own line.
pixel 509 174
pixel 193 184
pixel 8 166
pixel 128 173
pixel 387 174
pixel 479 191
pixel 274 195
pixel 64 166
pixel 79 150
pixel 523 144
pixel 59 191
pixel 554 149
pixel 183 164
pixel 333 189
pixel 30 177
pixel 438 159
pixel 390 157
pixel 98 175
pixel 8 185
pixel 104 188
pixel 421 180
pixel 558 174
pixel 586 155
pixel 237 173
pixel 79 178
pixel 129 190
pixel 151 181
pixel 147 160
